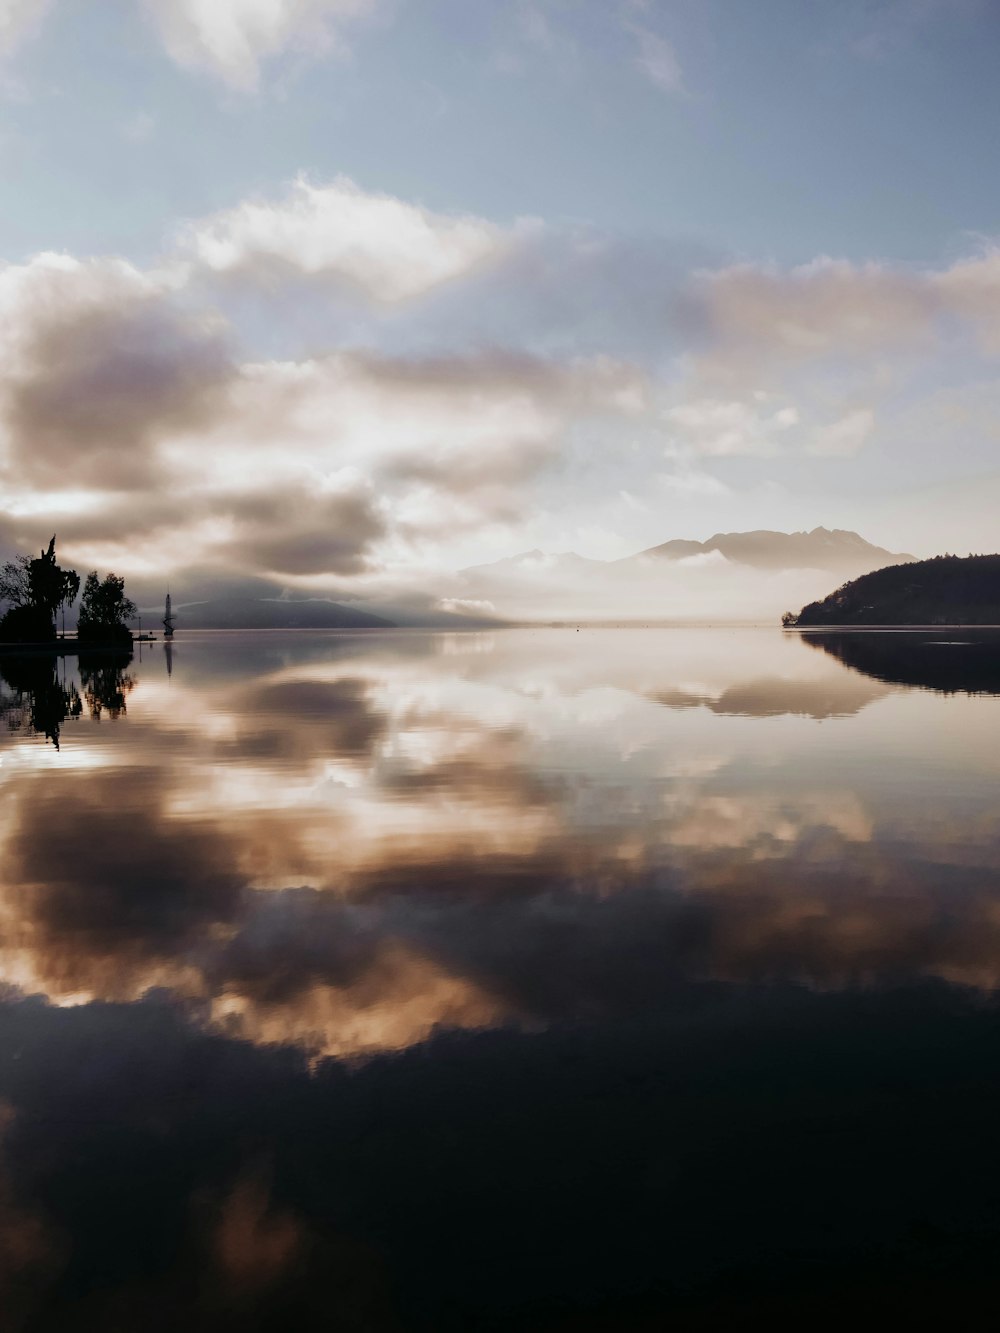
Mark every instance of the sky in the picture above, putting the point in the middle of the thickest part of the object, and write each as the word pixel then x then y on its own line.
pixel 344 294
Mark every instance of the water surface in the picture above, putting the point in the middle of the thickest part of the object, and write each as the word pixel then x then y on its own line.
pixel 537 979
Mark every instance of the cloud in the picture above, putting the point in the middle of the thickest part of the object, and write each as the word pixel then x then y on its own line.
pixel 232 39
pixel 843 438
pixel 721 429
pixel 459 418
pixel 114 381
pixel 444 443
pixel 293 531
pixel 758 316
pixel 374 244
pixel 834 311
pixel 19 21
pixel 98 364
pixel 658 60
pixel 836 343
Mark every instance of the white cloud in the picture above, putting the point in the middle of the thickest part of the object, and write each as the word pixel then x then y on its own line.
pixel 658 61
pixel 475 606
pixel 843 438
pixel 20 20
pixel 721 428
pixel 115 387
pixel 127 406
pixel 383 246
pixel 232 38
pixel 843 341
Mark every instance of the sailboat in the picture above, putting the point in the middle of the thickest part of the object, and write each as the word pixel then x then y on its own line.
pixel 168 621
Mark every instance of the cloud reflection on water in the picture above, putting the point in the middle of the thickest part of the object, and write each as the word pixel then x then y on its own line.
pixel 358 846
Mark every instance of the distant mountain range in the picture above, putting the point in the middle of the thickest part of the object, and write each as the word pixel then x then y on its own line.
pixel 731 576
pixel 836 550
pixel 823 548
pixel 276 613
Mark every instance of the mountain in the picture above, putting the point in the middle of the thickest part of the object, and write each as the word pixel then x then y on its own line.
pixel 836 550
pixel 948 590
pixel 275 613
pixel 734 577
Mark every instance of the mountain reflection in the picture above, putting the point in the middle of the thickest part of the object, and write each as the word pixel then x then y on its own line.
pixel 949 660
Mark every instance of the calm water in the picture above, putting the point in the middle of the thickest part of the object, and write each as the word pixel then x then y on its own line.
pixel 531 980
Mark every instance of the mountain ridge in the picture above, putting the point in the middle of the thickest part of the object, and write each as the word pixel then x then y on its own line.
pixel 767 548
pixel 276 613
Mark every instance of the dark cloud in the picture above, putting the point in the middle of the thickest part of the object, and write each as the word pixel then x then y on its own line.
pixel 110 885
pixel 289 532
pixel 298 718
pixel 101 381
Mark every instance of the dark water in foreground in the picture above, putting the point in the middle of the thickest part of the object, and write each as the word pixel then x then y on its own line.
pixel 539 980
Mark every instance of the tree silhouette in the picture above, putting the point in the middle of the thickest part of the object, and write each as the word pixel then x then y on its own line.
pixel 105 610
pixel 106 685
pixel 34 590
pixel 38 700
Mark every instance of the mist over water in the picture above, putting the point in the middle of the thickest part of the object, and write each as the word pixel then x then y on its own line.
pixel 532 979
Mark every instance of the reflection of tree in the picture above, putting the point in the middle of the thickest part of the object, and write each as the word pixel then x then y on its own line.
pixel 105 683
pixel 935 660
pixel 39 701
pixel 33 698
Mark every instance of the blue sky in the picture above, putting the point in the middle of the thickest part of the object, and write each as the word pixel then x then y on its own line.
pixel 793 129
pixel 456 278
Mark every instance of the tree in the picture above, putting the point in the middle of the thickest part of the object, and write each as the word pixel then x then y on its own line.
pixel 46 581
pixel 15 582
pixel 104 609
pixel 70 588
pixel 34 590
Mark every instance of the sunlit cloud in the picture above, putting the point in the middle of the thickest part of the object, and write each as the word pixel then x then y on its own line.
pixel 233 39
pixel 329 466
pixel 379 245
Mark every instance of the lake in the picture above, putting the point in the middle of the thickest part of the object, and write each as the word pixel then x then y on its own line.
pixel 538 979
